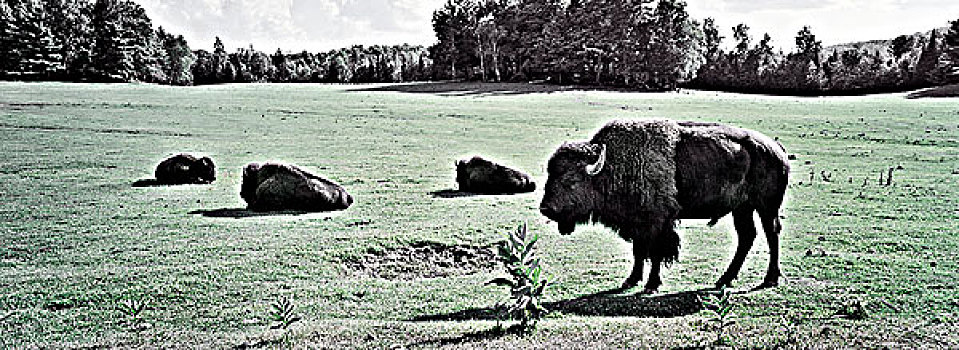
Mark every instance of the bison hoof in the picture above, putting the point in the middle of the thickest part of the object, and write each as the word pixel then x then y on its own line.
pixel 648 291
pixel 723 284
pixel 767 284
pixel 628 284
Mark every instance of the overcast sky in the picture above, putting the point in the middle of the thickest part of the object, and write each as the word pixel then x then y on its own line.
pixel 319 25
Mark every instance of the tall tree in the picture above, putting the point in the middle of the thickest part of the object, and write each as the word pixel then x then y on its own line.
pixel 933 66
pixel 115 30
pixel 951 47
pixel 221 62
pixel 807 47
pixel 451 23
pixel 742 38
pixel 41 58
pixel 149 58
pixel 282 72
pixel 676 50
pixel 712 40
pixel 178 58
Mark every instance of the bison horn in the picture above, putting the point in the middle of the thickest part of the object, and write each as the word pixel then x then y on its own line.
pixel 595 168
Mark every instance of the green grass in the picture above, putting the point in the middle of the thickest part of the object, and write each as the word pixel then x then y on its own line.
pixel 77 241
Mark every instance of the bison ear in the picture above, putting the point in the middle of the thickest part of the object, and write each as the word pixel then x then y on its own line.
pixel 250 169
pixel 596 168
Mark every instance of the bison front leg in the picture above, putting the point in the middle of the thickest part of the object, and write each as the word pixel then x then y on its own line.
pixel 639 256
pixel 652 285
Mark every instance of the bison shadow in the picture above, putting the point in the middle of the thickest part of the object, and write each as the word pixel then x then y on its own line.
pixel 239 213
pixel 610 303
pixel 451 193
pixel 147 183
pixel 157 183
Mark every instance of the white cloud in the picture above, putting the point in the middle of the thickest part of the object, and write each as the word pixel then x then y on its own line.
pixel 832 21
pixel 295 25
pixel 316 25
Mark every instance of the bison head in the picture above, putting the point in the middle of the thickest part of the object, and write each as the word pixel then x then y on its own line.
pixel 250 182
pixel 206 172
pixel 572 192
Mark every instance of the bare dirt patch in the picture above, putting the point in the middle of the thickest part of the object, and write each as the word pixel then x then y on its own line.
pixel 423 260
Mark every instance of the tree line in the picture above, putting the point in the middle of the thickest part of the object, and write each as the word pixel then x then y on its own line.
pixel 357 64
pixel 640 44
pixel 904 63
pixel 115 41
pixel 655 45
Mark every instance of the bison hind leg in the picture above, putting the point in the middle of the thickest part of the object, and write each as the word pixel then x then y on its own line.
pixel 772 226
pixel 746 232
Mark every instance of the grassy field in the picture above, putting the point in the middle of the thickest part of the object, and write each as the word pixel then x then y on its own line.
pixel 866 265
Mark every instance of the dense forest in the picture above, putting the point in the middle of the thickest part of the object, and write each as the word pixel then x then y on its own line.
pixel 655 45
pixel 639 44
pixel 105 40
pixel 115 40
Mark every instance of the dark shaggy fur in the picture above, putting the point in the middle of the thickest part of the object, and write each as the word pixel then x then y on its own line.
pixel 275 187
pixel 658 171
pixel 479 175
pixel 185 169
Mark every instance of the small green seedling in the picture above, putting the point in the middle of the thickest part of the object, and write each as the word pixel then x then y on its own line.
pixel 283 313
pixel 720 310
pixel 132 310
pixel 526 280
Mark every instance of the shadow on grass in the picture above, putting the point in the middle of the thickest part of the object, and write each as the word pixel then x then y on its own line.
pixel 453 88
pixel 610 303
pixel 239 213
pixel 157 183
pixel 147 183
pixel 470 337
pixel 939 91
pixel 450 193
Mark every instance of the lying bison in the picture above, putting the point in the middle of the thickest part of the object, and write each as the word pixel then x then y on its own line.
pixel 639 177
pixel 479 175
pixel 275 186
pixel 185 169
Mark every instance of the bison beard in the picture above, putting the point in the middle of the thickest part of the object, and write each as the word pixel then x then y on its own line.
pixel 639 177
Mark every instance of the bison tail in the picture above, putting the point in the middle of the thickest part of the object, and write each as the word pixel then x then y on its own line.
pixel 712 222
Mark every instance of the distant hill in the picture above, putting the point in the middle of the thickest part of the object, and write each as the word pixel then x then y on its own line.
pixel 914 42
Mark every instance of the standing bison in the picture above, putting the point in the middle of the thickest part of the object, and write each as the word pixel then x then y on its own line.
pixel 479 175
pixel 185 169
pixel 275 186
pixel 639 177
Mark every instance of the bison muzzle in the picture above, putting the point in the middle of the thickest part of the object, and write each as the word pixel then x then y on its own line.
pixel 639 176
